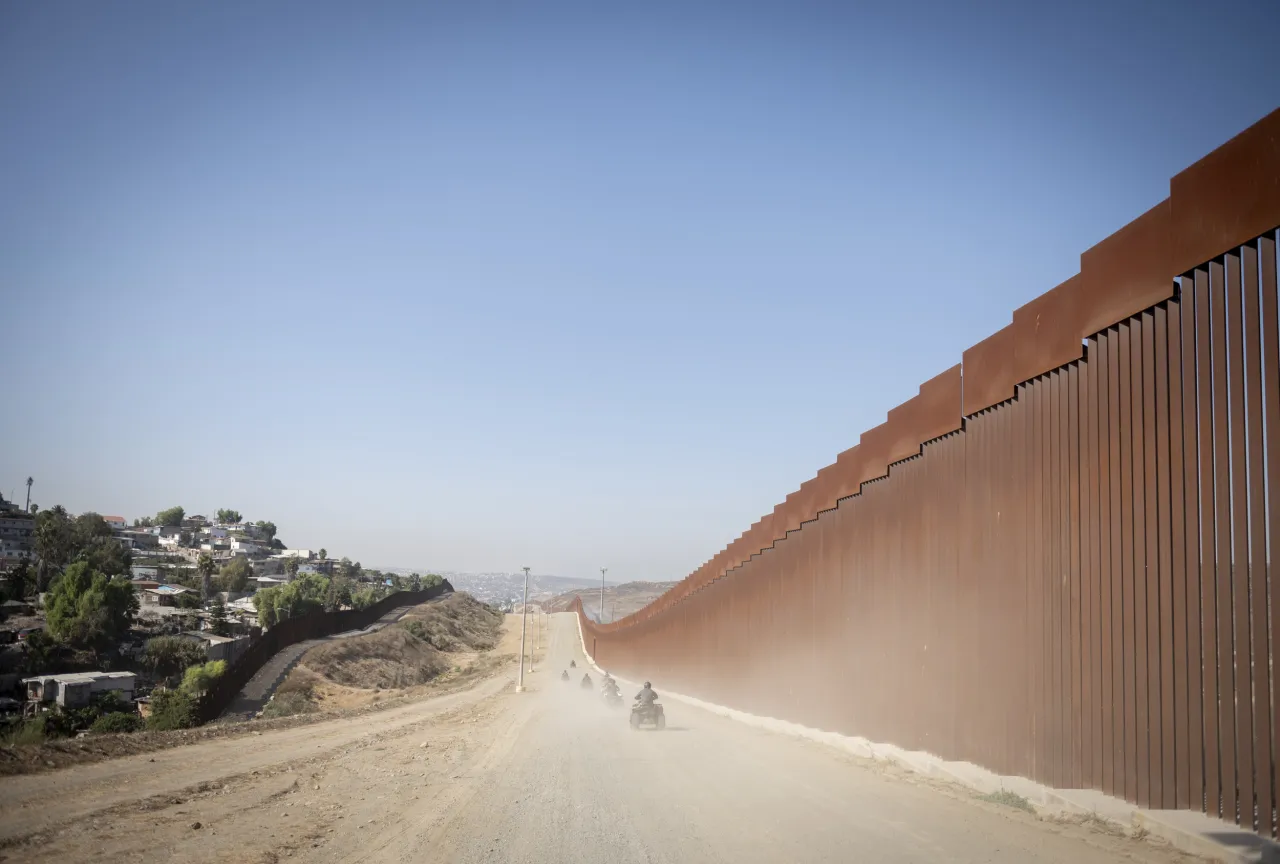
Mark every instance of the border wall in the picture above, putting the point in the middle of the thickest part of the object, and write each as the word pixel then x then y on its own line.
pixel 1055 561
pixel 290 631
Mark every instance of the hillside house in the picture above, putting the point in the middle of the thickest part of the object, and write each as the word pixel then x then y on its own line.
pixel 17 536
pixel 75 689
pixel 226 648
pixel 251 548
pixel 10 608
pixel 140 538
pixel 163 595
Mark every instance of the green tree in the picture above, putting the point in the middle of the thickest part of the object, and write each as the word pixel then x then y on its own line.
pixel 206 568
pixel 291 566
pixel 22 581
pixel 338 594
pixel 171 709
pixel 219 623
pixel 235 574
pixel 169 656
pixel 324 553
pixel 367 596
pixel 41 654
pixel 107 555
pixel 267 529
pixel 144 522
pixel 345 569
pixel 54 545
pixel 301 596
pixel 88 609
pixel 197 680
pixel 267 602
pixel 88 527
pixel 431 580
pixel 228 517
pixel 415 582
pixel 172 517
pixel 185 539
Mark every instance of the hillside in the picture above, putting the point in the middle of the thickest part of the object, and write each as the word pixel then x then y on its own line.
pixel 619 600
pixel 435 642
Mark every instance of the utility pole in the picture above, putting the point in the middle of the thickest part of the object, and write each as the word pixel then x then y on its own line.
pixel 603 570
pixel 524 617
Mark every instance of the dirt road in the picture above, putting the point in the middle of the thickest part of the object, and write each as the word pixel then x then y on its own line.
pixel 547 775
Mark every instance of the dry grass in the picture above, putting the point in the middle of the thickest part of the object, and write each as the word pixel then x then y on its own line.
pixel 390 658
pixel 1009 799
pixel 459 622
pixel 434 640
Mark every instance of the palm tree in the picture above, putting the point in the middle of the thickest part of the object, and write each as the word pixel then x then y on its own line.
pixel 30 480
pixel 205 567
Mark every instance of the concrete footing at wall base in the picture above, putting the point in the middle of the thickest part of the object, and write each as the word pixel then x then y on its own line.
pixel 1185 830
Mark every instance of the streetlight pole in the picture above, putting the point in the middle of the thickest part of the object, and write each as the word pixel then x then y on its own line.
pixel 524 617
pixel 603 570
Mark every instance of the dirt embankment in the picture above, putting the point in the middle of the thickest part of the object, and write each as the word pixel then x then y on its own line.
pixel 435 644
pixel 314 692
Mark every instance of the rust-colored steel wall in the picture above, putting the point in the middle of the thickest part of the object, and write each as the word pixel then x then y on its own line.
pixel 1055 560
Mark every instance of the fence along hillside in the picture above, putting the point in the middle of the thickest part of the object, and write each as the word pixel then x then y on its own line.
pixel 1054 560
pixel 291 631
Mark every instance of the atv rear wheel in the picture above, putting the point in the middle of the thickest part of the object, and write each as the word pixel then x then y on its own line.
pixel 662 721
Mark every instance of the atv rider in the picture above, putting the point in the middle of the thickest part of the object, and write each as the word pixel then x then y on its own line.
pixel 564 676
pixel 647 696
pixel 573 664
pixel 586 681
pixel 610 686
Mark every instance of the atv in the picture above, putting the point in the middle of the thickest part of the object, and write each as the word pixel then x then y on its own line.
pixel 611 696
pixel 651 713
pixel 573 664
pixel 564 676
pixel 586 683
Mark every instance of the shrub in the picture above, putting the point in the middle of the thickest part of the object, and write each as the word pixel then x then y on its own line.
pixel 117 721
pixel 289 704
pixel 171 709
pixel 25 732
pixel 170 655
pixel 198 679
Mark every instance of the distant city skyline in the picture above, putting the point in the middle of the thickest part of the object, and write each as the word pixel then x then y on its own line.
pixel 559 284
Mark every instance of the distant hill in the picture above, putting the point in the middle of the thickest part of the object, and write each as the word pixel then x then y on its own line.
pixel 619 600
pixel 504 589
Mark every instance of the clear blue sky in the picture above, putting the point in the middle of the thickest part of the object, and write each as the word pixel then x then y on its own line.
pixel 479 285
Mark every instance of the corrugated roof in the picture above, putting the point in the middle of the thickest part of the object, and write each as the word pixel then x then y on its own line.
pixel 82 677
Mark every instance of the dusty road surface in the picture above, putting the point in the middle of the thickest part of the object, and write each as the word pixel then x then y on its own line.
pixel 550 775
